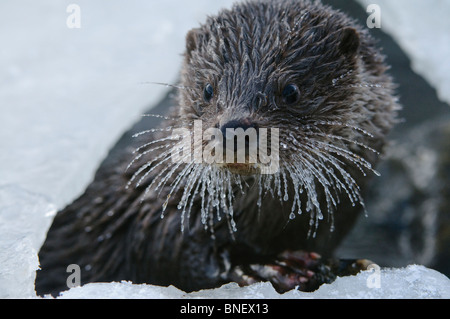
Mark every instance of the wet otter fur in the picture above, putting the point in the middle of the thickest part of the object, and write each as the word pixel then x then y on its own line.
pixel 295 65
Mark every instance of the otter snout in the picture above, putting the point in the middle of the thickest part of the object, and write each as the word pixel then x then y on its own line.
pixel 231 130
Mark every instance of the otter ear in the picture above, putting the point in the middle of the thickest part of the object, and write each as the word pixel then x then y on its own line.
pixel 349 42
pixel 191 41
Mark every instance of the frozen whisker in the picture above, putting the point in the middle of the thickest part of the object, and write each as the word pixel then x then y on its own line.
pixel 323 181
pixel 316 170
pixel 147 165
pixel 165 139
pixel 213 187
pixel 189 186
pixel 153 130
pixel 352 157
pixel 335 81
pixel 144 167
pixel 337 123
pixel 327 183
pixel 168 128
pixel 323 156
pixel 298 181
pixel 163 181
pixel 341 138
pixel 193 197
pixel 367 85
pixel 175 167
pixel 165 84
pixel 175 185
pixel 159 116
pixel 144 153
pixel 349 185
pixel 137 157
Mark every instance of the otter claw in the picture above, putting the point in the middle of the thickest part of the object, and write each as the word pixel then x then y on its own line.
pixel 305 271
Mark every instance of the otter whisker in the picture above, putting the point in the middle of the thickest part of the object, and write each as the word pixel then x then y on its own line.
pixel 323 151
pixel 210 180
pixel 152 149
pixel 196 191
pixel 336 80
pixel 164 129
pixel 189 185
pixel 312 204
pixel 310 188
pixel 203 193
pixel 326 156
pixel 166 84
pixel 336 137
pixel 264 182
pixel 205 211
pixel 337 123
pixel 222 191
pixel 333 179
pixel 157 177
pixel 259 201
pixel 326 183
pixel 153 130
pixel 367 85
pixel 330 201
pixel 297 181
pixel 165 139
pixel 230 202
pixel 183 123
pixel 151 169
pixel 353 188
pixel 277 181
pixel 210 190
pixel 163 181
pixel 353 192
pixel 354 158
pixel 146 165
pixel 144 153
pixel 286 195
pixel 175 185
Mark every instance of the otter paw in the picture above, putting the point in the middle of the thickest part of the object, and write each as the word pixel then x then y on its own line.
pixel 305 271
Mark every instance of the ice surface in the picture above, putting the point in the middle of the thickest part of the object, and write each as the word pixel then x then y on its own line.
pixel 66 95
pixel 24 217
pixel 413 282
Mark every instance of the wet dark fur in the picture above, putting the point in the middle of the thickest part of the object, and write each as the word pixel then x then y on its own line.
pixel 248 54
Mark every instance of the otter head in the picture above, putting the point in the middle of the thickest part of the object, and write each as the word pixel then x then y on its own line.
pixel 303 73
pixel 263 66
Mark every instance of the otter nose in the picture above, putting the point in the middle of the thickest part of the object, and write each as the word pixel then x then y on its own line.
pixel 234 124
pixel 231 136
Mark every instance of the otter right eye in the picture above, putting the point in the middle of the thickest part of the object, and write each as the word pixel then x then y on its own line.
pixel 290 94
pixel 208 92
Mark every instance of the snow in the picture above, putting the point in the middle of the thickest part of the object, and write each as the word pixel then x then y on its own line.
pixel 412 282
pixel 421 28
pixel 67 95
pixel 24 219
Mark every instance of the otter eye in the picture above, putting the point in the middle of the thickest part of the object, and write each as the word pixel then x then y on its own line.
pixel 290 94
pixel 208 92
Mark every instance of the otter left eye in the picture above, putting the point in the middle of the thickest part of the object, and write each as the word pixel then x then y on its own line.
pixel 208 92
pixel 290 94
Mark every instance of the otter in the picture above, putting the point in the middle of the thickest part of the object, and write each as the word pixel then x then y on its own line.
pixel 298 66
